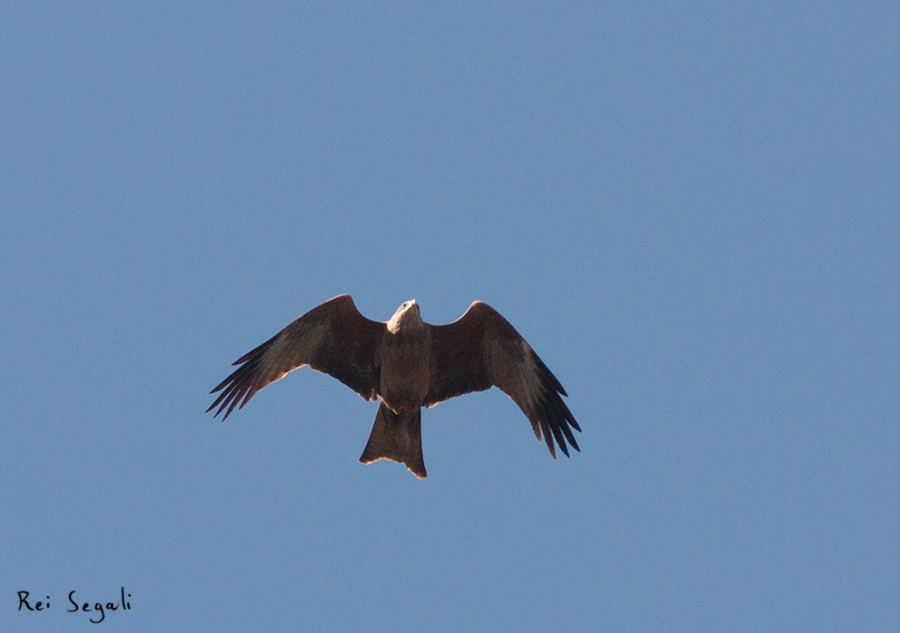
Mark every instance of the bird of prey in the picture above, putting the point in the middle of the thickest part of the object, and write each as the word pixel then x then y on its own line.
pixel 409 364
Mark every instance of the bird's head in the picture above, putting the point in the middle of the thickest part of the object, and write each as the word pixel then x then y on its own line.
pixel 406 317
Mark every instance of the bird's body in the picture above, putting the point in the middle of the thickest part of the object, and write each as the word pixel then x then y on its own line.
pixel 404 358
pixel 409 364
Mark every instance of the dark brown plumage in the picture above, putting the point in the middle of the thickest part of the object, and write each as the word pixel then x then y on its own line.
pixel 409 364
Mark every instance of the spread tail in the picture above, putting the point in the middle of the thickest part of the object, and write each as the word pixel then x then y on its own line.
pixel 398 437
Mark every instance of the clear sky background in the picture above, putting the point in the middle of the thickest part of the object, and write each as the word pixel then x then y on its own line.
pixel 690 210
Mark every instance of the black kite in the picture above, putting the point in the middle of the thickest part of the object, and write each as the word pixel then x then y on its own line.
pixel 410 364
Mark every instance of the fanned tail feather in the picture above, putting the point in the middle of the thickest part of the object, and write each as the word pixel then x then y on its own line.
pixel 398 437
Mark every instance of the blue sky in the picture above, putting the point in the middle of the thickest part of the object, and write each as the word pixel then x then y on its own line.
pixel 690 211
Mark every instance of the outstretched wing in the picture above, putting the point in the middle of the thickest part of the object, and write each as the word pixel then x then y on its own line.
pixel 481 350
pixel 333 338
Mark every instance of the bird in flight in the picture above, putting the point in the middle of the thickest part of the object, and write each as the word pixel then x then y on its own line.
pixel 409 364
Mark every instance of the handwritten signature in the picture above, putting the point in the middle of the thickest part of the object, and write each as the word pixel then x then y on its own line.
pixel 30 604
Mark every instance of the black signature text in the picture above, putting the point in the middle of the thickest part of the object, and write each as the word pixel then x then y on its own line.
pixel 97 610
